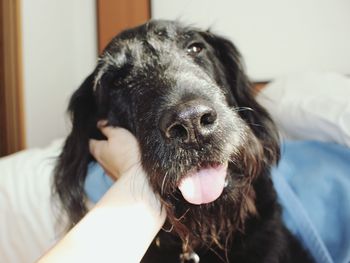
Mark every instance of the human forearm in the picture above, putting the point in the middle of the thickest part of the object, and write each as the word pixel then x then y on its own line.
pixel 119 228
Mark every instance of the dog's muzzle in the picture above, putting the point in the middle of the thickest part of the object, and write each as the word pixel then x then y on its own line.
pixel 191 124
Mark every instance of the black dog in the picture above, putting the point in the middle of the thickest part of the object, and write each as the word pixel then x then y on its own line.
pixel 206 144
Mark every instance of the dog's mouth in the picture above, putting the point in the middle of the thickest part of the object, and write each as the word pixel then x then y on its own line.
pixel 205 184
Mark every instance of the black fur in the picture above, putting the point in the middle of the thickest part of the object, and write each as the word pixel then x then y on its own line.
pixel 153 69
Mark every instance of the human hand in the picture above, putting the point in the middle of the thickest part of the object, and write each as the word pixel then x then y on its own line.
pixel 117 214
pixel 119 153
pixel 119 156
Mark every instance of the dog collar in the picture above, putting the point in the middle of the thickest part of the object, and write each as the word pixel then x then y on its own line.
pixel 189 257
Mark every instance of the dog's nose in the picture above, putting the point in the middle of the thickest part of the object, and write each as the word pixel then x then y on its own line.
pixel 189 122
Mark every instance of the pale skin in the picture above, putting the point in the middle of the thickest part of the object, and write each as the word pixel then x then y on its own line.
pixel 124 222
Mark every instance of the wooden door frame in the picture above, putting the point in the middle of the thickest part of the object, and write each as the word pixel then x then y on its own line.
pixel 12 130
pixel 114 16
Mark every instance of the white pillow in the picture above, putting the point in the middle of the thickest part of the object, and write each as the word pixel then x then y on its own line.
pixel 310 106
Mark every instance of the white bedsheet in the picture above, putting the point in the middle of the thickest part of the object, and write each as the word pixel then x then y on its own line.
pixel 27 214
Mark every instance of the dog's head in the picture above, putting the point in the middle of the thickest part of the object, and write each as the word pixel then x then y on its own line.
pixel 204 139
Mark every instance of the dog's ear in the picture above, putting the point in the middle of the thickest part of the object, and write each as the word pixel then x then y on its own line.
pixel 82 107
pixel 243 95
pixel 72 165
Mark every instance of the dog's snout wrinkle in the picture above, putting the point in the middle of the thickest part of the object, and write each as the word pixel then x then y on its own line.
pixel 188 122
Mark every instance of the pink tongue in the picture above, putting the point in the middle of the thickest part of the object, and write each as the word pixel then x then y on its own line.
pixel 204 186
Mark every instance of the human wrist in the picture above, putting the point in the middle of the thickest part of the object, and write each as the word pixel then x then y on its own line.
pixel 133 188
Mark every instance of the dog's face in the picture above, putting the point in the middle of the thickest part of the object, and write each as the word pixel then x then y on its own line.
pixel 203 138
pixel 165 84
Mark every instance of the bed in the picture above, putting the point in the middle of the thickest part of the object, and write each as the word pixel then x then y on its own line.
pixel 307 108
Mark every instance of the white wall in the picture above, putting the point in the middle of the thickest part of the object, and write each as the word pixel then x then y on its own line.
pixel 59 51
pixel 276 37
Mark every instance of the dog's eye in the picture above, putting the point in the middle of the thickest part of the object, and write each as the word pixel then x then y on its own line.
pixel 195 49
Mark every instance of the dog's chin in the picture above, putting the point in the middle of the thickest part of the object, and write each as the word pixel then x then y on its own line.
pixel 208 201
pixel 204 184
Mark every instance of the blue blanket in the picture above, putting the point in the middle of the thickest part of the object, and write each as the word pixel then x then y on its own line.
pixel 312 181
